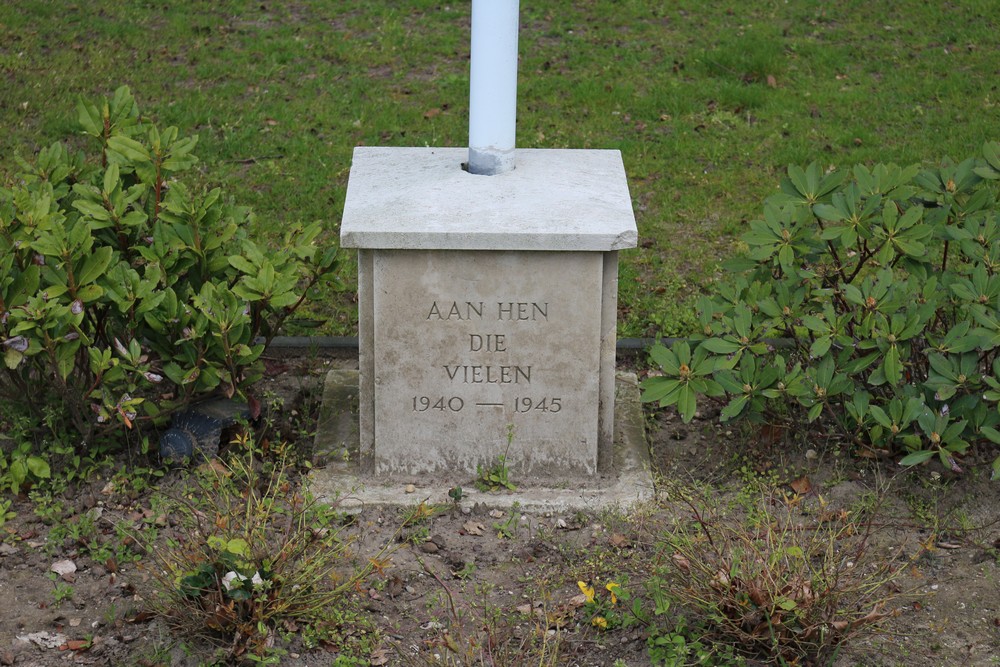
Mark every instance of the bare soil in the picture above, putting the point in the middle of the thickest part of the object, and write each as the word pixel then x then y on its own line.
pixel 475 585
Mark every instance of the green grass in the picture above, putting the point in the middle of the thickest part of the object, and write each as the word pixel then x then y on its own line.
pixel 708 102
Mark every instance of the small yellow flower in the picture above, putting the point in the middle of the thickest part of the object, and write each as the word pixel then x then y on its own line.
pixel 612 587
pixel 587 590
pixel 599 622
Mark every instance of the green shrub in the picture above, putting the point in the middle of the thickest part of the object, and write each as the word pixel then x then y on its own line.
pixel 870 300
pixel 124 292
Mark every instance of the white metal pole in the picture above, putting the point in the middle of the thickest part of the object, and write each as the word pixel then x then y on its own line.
pixel 493 86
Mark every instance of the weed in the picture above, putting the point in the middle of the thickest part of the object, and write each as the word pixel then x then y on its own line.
pixel 468 569
pixel 682 645
pixel 612 605
pixel 767 582
pixel 422 513
pixel 256 555
pixel 497 476
pixel 61 591
pixel 47 506
pixel 508 527
pixel 6 514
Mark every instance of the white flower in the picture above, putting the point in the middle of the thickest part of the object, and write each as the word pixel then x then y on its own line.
pixel 229 578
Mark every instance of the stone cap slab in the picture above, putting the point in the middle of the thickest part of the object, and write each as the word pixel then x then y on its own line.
pixel 421 198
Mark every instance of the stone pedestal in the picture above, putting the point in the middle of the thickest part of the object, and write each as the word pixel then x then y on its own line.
pixel 487 309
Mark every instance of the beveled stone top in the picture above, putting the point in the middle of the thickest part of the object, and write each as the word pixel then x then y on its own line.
pixel 421 198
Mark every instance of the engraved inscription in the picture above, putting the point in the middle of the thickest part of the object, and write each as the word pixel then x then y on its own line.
pixel 502 338
pixel 489 374
pixel 455 311
pixel 488 343
pixel 425 403
pixel 507 311
pixel 522 311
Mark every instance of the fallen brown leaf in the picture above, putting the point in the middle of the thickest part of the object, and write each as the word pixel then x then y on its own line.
pixel 834 515
pixel 802 485
pixel 473 527
pixel 75 645
pixel 681 562
pixel 141 617
pixel 217 466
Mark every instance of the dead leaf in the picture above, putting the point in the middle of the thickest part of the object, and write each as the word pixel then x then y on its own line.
pixel 63 568
pixel 378 658
pixel 271 122
pixel 771 81
pixel 834 515
pixel 496 514
pixel 874 616
pixel 431 113
pixel 254 406
pixel 76 645
pixel 802 485
pixel 558 619
pixel 682 563
pixel 618 540
pixel 216 466
pixel 473 528
pixel 141 617
pixel 578 600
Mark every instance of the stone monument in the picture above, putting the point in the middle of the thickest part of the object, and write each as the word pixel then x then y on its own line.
pixel 487 293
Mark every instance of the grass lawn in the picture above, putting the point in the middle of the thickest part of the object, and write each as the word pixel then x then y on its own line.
pixel 708 102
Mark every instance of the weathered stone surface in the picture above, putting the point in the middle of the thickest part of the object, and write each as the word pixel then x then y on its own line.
pixel 627 483
pixel 487 311
pixel 555 199
pixel 337 424
pixel 468 345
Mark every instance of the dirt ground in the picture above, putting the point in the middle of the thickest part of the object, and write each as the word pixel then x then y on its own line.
pixel 474 576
